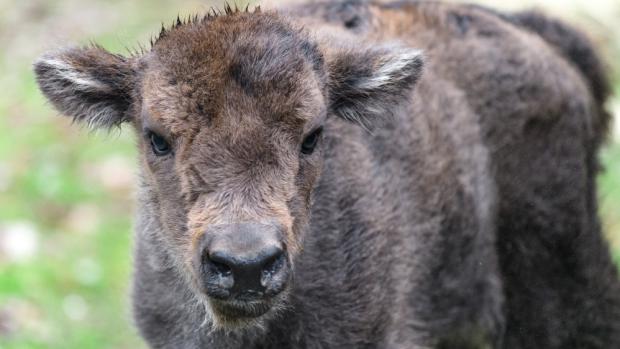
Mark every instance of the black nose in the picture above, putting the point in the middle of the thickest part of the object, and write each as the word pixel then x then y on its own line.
pixel 250 274
pixel 243 261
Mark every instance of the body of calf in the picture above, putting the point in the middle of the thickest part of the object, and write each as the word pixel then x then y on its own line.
pixel 449 204
pixel 537 89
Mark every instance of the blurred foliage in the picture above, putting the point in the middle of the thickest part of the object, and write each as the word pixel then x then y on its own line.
pixel 65 195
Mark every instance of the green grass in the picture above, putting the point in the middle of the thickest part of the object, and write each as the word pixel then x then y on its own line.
pixel 609 194
pixel 72 190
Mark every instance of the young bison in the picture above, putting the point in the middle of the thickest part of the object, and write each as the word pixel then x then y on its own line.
pixel 325 188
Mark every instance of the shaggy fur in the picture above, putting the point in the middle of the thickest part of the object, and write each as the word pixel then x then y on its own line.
pixel 450 202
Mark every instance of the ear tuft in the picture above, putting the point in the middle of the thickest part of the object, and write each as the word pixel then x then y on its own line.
pixel 89 84
pixel 395 70
pixel 369 83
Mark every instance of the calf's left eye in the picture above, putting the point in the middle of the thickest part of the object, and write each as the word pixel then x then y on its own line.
pixel 311 140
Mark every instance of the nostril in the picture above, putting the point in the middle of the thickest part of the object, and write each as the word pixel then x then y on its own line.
pixel 221 268
pixel 218 264
pixel 273 264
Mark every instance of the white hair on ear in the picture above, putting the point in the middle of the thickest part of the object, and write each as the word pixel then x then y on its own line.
pixel 88 84
pixel 66 71
pixel 391 69
pixel 368 82
pixel 99 116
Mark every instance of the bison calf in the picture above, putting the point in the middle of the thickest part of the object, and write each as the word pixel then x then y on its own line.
pixel 360 175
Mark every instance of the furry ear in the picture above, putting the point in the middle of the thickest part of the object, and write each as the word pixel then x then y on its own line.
pixel 369 82
pixel 89 84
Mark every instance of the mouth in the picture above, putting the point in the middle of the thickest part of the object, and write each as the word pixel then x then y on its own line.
pixel 235 311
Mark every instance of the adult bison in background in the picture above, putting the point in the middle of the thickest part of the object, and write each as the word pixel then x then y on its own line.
pixel 360 175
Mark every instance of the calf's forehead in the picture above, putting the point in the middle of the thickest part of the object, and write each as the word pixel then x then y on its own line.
pixel 234 72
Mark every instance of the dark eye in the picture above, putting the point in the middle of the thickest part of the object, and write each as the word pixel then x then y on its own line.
pixel 159 144
pixel 309 143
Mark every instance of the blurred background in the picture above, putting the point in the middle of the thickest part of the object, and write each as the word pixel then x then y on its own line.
pixel 66 194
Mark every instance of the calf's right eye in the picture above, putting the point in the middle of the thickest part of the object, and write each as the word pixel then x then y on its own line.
pixel 159 145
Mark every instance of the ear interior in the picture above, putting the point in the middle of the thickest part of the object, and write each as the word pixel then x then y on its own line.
pixel 89 84
pixel 369 83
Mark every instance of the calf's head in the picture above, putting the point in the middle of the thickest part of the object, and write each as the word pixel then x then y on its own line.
pixel 230 112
